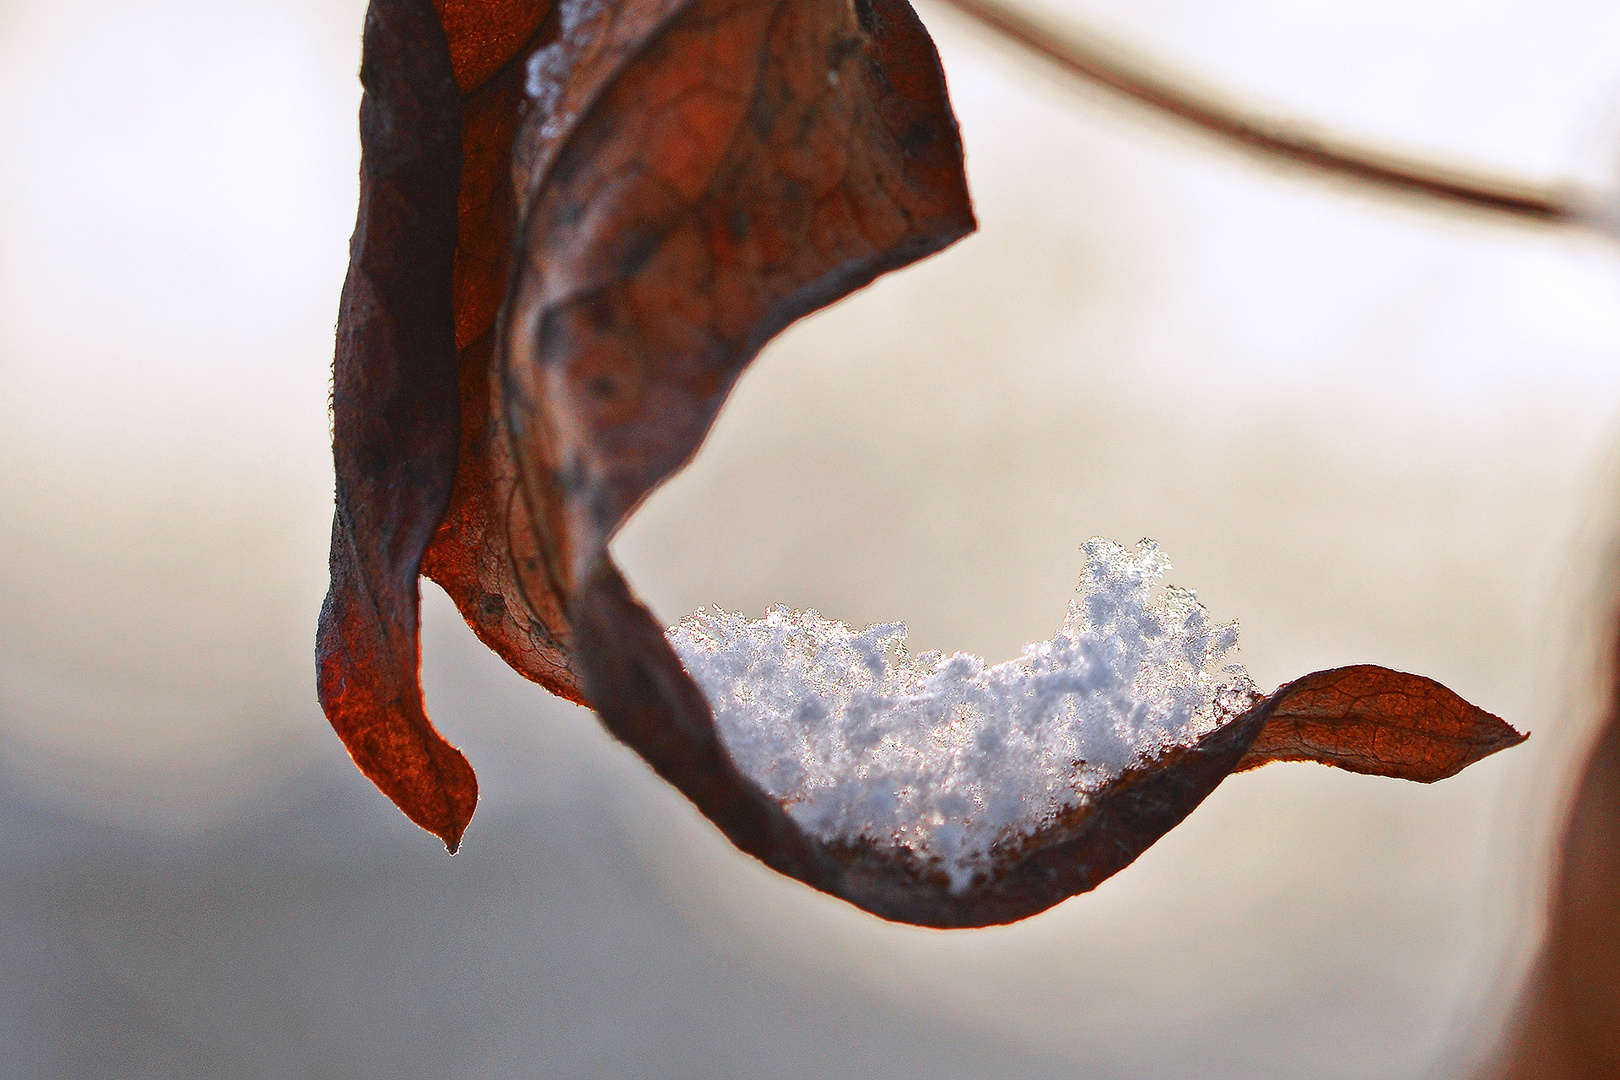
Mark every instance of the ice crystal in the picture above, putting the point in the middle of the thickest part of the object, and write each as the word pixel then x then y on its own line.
pixel 945 756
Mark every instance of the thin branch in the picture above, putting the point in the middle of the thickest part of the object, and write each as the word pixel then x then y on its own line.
pixel 1096 61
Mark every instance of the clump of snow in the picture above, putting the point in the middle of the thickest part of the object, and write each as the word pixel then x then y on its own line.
pixel 948 757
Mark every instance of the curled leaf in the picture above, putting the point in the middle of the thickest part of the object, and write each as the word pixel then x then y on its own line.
pixel 745 165
pixel 748 164
pixel 578 225
pixel 424 480
pixel 1373 720
pixel 395 412
pixel 425 486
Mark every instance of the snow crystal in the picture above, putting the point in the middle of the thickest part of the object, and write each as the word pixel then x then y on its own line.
pixel 945 756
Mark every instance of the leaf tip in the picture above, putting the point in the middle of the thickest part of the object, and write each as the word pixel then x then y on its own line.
pixel 1373 720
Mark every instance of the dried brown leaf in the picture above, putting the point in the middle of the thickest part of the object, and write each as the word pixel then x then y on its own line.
pixel 395 419
pixel 577 228
pixel 1373 720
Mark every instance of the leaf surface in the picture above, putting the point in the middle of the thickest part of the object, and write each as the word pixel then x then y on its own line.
pixel 395 413
pixel 1373 720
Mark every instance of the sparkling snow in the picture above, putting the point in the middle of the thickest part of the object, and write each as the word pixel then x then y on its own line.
pixel 948 757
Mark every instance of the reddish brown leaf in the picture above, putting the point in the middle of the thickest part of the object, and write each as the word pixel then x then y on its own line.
pixel 743 165
pixel 485 535
pixel 396 418
pixel 487 552
pixel 397 388
pixel 687 178
pixel 1373 720
pixel 751 162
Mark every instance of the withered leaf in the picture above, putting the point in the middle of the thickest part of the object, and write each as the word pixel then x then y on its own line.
pixel 577 227
pixel 489 551
pixel 431 241
pixel 396 412
pixel 1373 720
pixel 750 163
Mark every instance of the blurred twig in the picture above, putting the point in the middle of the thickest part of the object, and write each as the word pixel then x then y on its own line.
pixel 1101 63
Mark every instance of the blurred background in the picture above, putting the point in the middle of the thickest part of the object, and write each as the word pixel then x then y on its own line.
pixel 1367 431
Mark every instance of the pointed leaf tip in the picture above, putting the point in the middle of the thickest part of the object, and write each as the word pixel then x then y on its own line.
pixel 1372 720
pixel 368 688
pixel 396 419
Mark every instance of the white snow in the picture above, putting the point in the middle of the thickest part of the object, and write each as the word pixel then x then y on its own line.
pixel 948 757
